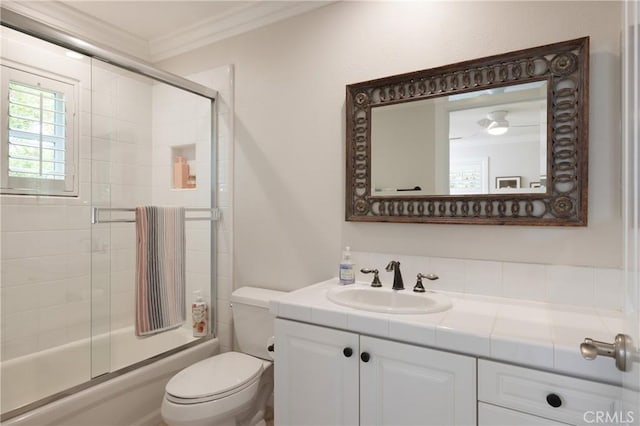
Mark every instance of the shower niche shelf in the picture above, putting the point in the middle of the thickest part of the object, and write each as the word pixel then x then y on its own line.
pixel 183 166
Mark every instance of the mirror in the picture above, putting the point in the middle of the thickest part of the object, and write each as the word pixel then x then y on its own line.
pixel 497 140
pixel 481 142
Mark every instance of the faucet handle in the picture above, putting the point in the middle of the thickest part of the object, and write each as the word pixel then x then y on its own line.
pixel 376 280
pixel 419 288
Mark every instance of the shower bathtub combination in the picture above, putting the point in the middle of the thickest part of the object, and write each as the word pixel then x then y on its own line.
pixel 130 397
pixel 89 141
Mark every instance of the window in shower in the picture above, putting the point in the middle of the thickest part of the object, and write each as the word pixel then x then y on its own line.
pixel 37 135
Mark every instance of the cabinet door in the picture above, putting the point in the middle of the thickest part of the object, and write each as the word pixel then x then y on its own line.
pixel 403 384
pixel 316 383
pixel 490 415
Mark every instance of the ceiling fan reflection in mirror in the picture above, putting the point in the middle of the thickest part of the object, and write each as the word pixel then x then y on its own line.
pixel 497 124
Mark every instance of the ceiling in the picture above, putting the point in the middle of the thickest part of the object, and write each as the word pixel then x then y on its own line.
pixel 155 30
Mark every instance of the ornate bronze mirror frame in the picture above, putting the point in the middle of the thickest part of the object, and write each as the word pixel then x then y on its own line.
pixel 565 69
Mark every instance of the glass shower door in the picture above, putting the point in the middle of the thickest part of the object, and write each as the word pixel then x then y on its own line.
pixel 151 147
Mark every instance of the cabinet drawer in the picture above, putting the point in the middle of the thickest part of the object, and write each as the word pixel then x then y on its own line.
pixel 490 415
pixel 549 395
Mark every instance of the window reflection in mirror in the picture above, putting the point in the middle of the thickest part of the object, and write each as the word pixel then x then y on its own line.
pixel 481 142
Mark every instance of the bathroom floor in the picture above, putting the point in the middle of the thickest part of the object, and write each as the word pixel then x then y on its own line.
pixel 269 423
pixel 268 418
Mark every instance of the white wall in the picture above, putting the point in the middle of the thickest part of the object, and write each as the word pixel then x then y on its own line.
pixel 46 241
pixel 515 158
pixel 290 131
pixel 402 141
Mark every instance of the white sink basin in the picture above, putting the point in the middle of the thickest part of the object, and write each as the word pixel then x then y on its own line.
pixel 388 301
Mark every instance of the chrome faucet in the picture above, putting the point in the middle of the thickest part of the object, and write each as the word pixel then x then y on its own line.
pixel 394 266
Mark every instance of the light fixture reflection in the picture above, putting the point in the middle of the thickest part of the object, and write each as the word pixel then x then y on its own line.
pixel 497 129
pixel 499 124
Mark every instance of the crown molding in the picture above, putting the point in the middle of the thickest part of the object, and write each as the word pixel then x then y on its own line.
pixel 72 21
pixel 205 32
pixel 236 22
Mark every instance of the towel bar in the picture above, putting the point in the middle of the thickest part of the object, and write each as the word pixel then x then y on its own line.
pixel 95 214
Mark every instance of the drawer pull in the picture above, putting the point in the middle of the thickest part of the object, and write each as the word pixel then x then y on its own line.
pixel 554 400
pixel 347 352
pixel 365 357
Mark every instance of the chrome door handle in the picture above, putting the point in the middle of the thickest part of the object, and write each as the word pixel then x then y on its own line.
pixel 621 350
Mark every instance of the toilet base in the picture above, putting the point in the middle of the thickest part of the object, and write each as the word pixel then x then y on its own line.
pixel 246 408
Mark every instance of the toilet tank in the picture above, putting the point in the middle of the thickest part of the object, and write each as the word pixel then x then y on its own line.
pixel 252 322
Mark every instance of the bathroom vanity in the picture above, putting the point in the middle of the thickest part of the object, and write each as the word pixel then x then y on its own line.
pixel 484 361
pixel 359 379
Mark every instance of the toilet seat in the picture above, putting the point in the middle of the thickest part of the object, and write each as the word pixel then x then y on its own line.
pixel 214 378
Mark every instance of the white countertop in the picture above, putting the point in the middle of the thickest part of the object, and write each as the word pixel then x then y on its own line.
pixel 532 334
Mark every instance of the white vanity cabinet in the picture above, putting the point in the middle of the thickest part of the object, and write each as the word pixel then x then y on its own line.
pixel 513 395
pixel 315 382
pixel 325 376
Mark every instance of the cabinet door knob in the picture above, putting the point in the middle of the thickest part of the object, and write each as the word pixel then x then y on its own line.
pixel 554 400
pixel 347 352
pixel 364 356
pixel 622 350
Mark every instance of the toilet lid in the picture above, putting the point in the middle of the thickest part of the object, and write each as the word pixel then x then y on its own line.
pixel 213 376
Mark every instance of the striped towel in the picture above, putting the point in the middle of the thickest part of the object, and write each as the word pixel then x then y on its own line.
pixel 160 269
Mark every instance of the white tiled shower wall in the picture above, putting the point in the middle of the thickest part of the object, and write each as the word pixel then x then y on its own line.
pixel 121 177
pixel 47 242
pixel 46 252
pixel 181 118
pixel 140 174
pixel 584 286
pixel 139 159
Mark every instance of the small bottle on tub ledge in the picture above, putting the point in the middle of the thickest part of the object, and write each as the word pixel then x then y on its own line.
pixel 199 316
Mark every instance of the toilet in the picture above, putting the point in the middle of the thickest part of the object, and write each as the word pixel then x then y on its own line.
pixel 232 388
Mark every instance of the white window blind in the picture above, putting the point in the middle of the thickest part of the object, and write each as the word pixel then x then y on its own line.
pixel 36 132
pixel 38 138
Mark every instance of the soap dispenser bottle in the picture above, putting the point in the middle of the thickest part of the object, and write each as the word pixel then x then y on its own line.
pixel 199 315
pixel 347 273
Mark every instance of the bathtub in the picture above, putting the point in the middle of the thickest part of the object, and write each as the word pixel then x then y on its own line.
pixel 130 396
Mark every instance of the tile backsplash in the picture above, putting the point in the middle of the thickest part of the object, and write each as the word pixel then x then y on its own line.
pixel 586 286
